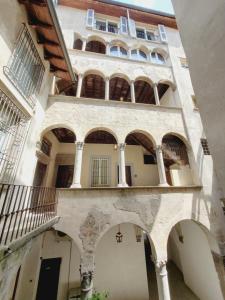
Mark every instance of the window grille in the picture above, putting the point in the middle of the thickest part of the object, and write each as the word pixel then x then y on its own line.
pixel 13 129
pixel 25 69
pixel 100 172
pixel 205 146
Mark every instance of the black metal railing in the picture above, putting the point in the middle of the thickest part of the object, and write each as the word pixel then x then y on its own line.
pixel 23 209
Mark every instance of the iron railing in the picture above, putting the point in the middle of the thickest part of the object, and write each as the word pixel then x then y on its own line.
pixel 23 209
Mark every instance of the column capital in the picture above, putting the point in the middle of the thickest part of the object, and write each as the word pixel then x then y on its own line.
pixel 107 78
pixel 80 75
pixel 160 266
pixel 79 145
pixel 132 81
pixel 159 148
pixel 122 146
pixel 155 84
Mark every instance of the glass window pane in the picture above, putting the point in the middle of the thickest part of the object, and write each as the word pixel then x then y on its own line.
pixel 114 51
pixel 123 52
pixel 101 25
pixel 112 27
pixel 142 55
pixel 140 33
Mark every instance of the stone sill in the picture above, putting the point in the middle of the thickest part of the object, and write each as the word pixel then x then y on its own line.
pixel 90 101
pixel 159 189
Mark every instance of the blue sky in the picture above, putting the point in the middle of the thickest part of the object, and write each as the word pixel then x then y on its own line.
pixel 161 5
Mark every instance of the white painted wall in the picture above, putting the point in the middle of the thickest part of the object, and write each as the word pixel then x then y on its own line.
pixel 194 259
pixel 121 268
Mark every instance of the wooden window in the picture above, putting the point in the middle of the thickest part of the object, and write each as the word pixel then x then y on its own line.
pixel 100 172
pixel 205 146
pixel 162 33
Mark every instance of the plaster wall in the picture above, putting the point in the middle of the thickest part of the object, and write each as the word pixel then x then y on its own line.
pixel 204 41
pixel 121 268
pixel 195 261
pixel 12 10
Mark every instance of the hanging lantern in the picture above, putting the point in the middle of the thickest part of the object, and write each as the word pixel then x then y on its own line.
pixel 119 236
pixel 138 233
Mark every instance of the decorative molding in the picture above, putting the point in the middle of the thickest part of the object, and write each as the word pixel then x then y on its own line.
pixel 79 145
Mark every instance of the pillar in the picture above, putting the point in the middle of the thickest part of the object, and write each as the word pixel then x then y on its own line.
pixel 108 48
pixel 53 85
pixel 87 268
pixel 78 165
pixel 79 85
pixel 129 53
pixel 161 167
pixel 156 93
pixel 162 280
pixel 107 88
pixel 133 100
pixel 122 166
pixel 84 44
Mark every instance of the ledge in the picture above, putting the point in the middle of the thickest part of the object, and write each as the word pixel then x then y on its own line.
pixel 102 102
pixel 158 189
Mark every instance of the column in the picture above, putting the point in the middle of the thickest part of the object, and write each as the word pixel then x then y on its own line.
pixel 108 48
pixel 122 166
pixel 79 85
pixel 53 85
pixel 162 280
pixel 87 268
pixel 156 93
pixel 84 44
pixel 132 90
pixel 78 165
pixel 161 167
pixel 86 285
pixel 129 53
pixel 107 88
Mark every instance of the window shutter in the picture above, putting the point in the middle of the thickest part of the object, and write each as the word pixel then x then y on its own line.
pixel 162 33
pixel 90 18
pixel 123 25
pixel 132 28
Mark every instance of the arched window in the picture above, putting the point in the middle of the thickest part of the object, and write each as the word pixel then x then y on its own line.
pixel 138 54
pixel 157 58
pixel 118 51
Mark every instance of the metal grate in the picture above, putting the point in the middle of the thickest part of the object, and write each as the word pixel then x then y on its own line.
pixel 25 68
pixel 23 209
pixel 205 146
pixel 13 129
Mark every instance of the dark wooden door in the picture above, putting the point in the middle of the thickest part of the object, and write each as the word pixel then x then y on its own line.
pixel 128 175
pixel 48 279
pixel 64 176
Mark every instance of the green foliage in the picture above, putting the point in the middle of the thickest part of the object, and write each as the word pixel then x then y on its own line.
pixel 99 296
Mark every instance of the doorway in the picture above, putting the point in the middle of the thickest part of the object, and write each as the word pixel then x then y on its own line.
pixel 64 176
pixel 49 279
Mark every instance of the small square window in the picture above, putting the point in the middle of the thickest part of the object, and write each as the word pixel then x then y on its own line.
pixel 112 27
pixel 205 146
pixel 183 62
pixel 149 160
pixel 140 33
pixel 101 25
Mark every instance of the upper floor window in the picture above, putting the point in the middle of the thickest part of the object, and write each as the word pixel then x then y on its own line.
pixel 118 51
pixel 107 26
pixel 140 33
pixel 157 58
pixel 101 25
pixel 138 55
pixel 25 68
pixel 151 36
pixel 112 27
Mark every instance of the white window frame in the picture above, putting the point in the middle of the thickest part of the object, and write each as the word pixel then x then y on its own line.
pixel 118 51
pixel 141 28
pixel 100 158
pixel 158 61
pixel 138 54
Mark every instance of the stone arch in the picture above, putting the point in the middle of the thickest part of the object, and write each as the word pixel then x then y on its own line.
pixel 120 43
pixel 120 75
pixel 110 131
pixel 94 72
pixel 147 134
pixel 96 38
pixel 119 87
pixel 161 51
pixel 180 136
pixel 167 82
pixel 96 44
pixel 93 85
pixel 55 126
pixel 144 78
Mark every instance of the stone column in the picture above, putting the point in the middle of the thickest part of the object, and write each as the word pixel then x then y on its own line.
pixel 78 165
pixel 108 48
pixel 162 280
pixel 132 90
pixel 84 44
pixel 53 85
pixel 87 268
pixel 129 53
pixel 107 88
pixel 156 93
pixel 122 166
pixel 161 167
pixel 79 85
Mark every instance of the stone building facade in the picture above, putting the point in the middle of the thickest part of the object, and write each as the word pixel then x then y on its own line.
pixel 138 201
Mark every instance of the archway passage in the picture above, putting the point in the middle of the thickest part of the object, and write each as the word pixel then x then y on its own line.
pixel 55 164
pixel 176 161
pixel 99 158
pixel 96 46
pixel 144 92
pixel 93 87
pixel 78 44
pixel 141 164
pixel 132 273
pixel 191 268
pixel 119 89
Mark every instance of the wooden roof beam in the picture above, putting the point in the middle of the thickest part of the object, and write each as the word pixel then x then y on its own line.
pixel 36 2
pixel 36 23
